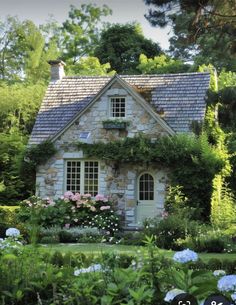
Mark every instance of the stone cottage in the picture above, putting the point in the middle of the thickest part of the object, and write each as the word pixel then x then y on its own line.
pixel 87 109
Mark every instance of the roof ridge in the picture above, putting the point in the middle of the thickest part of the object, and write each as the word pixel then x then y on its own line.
pixel 137 75
pixel 87 76
pixel 165 74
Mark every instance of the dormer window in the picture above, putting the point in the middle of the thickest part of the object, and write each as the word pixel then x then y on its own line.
pixel 117 107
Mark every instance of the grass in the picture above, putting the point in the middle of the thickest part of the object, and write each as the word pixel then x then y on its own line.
pixel 132 250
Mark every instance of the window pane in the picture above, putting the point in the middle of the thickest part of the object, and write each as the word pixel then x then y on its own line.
pixel 91 177
pixel 146 187
pixel 117 107
pixel 73 176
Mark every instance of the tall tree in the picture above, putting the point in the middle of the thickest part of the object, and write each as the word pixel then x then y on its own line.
pixel 24 51
pixel 204 30
pixel 10 48
pixel 121 46
pixel 81 32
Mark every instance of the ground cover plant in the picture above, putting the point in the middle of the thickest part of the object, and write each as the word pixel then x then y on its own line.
pixel 31 276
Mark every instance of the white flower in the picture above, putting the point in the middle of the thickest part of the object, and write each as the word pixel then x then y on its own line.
pixel 92 268
pixel 219 272
pixel 227 283
pixel 185 256
pixel 172 294
pixel 12 232
pixel 233 296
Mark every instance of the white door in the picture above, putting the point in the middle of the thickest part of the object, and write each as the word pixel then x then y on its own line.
pixel 146 198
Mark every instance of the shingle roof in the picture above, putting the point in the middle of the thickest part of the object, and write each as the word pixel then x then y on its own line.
pixel 179 98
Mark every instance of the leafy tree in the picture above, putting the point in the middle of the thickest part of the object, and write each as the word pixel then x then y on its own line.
pixel 19 104
pixel 161 64
pixel 90 66
pixel 203 30
pixel 24 51
pixel 121 46
pixel 10 48
pixel 11 148
pixel 223 204
pixel 80 31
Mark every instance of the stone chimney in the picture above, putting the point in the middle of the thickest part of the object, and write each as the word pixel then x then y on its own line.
pixel 57 69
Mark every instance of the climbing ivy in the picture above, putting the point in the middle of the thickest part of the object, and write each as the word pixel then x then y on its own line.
pixel 192 161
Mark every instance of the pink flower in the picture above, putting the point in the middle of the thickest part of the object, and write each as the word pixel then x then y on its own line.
pixel 99 197
pixel 68 194
pixel 75 197
pixel 67 225
pixel 105 207
pixel 50 202
pixel 87 195
pixel 165 214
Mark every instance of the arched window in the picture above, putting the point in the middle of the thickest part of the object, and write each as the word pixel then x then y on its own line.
pixel 146 187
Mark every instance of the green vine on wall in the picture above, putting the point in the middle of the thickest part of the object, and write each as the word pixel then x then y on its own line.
pixel 192 161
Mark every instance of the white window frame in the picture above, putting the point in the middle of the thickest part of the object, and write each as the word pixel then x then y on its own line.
pixel 110 107
pixel 82 175
pixel 139 189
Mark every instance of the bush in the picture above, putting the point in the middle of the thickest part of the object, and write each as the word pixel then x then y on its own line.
pixel 207 241
pixel 132 238
pixel 167 231
pixel 72 210
pixel 70 235
pixel 80 235
pixel 50 240
pixel 9 218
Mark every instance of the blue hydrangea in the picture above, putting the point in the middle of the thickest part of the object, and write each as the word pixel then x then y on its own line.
pixel 185 256
pixel 12 232
pixel 227 283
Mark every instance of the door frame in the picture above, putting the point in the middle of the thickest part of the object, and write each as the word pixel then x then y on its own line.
pixel 151 173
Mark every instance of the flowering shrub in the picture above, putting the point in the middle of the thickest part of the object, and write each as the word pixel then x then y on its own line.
pixel 219 272
pixel 185 256
pixel 12 232
pixel 11 243
pixel 92 268
pixel 71 210
pixel 227 283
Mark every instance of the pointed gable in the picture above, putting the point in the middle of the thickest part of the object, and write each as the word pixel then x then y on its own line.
pixel 175 100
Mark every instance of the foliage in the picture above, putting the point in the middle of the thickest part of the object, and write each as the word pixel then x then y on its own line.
pixel 24 49
pixel 176 203
pixel 223 204
pixel 192 160
pixel 72 210
pixel 207 240
pixel 202 31
pixel 90 66
pixel 19 104
pixel 169 230
pixel 33 275
pixel 11 147
pixel 121 46
pixel 70 235
pixel 34 156
pixel 80 31
pixel 161 64
pixel 9 219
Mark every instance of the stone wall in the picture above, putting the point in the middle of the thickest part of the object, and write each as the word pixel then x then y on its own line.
pixel 117 181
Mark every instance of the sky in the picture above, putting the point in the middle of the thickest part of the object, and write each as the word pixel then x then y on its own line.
pixel 39 11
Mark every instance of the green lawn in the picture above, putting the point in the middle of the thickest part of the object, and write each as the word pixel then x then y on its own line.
pixel 132 250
